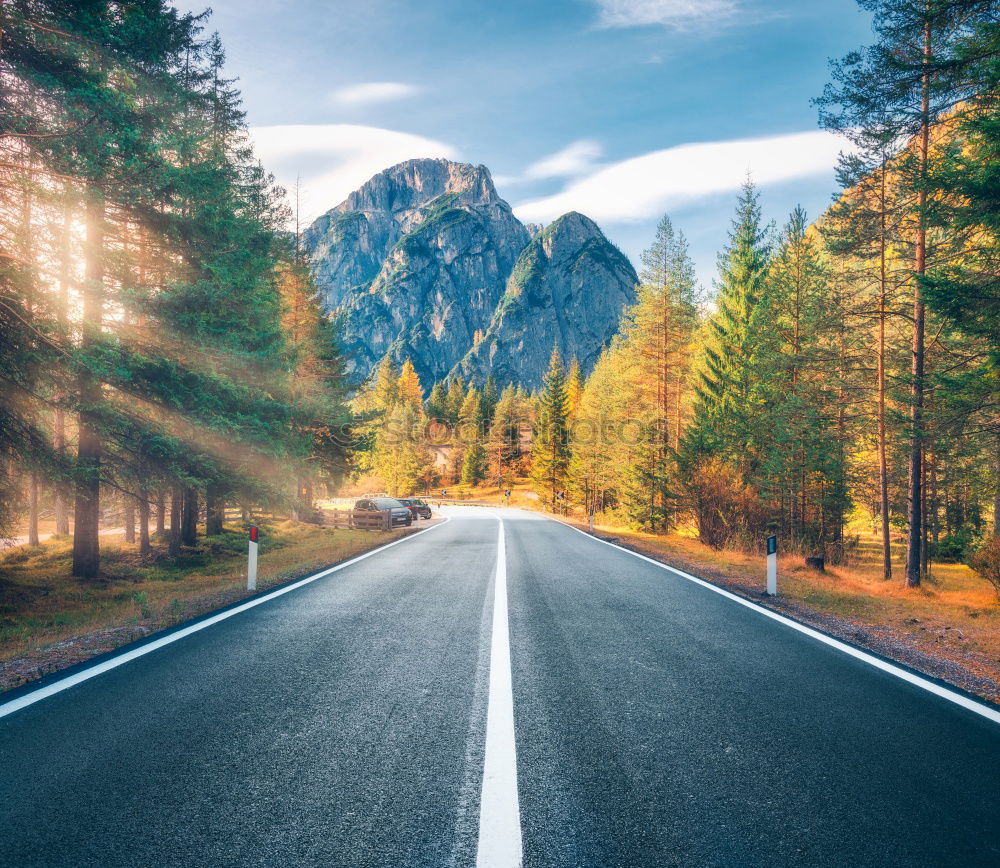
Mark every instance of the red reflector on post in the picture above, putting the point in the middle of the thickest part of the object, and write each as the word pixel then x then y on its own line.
pixel 253 533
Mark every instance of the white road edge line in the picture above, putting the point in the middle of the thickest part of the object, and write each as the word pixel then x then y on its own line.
pixel 107 665
pixel 930 686
pixel 499 810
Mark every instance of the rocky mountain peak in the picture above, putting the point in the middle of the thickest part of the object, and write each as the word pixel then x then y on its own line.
pixel 568 287
pixel 402 189
pixel 349 243
pixel 573 228
pixel 425 261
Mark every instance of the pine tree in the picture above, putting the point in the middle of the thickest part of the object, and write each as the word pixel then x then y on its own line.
pixel 655 358
pixel 802 467
pixel 963 288
pixel 861 231
pixel 550 453
pixel 470 416
pixel 661 325
pixel 599 451
pixel 456 397
pixel 489 398
pixel 176 365
pixel 400 452
pixel 727 414
pixel 471 436
pixel 409 389
pixel 386 385
pixel 322 420
pixel 474 463
pixel 897 92
pixel 503 447
pixel 82 114
pixel 574 389
pixel 437 401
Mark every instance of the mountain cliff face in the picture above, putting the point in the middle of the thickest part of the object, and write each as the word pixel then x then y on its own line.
pixel 350 244
pixel 427 262
pixel 568 287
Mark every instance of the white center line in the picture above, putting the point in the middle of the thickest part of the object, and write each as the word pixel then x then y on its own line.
pixel 499 810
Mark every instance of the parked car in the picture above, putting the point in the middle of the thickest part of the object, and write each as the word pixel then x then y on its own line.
pixel 399 515
pixel 417 507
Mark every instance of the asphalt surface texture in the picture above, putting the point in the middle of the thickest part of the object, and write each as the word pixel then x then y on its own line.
pixel 343 724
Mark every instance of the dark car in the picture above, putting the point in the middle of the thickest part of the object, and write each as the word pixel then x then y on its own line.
pixel 417 507
pixel 368 507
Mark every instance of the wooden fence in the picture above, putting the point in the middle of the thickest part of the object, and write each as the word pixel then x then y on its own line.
pixel 375 519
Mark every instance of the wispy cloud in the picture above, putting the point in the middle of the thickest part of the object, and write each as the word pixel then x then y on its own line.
pixel 643 187
pixel 577 158
pixel 333 160
pixel 369 92
pixel 679 14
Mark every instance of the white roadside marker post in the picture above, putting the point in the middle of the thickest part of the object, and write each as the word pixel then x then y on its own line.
pixel 252 560
pixel 772 566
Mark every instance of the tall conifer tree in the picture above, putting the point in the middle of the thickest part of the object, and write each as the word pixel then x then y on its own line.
pixel 550 453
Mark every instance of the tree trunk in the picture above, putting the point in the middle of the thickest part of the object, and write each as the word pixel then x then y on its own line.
pixel 934 514
pixel 996 490
pixel 214 510
pixel 33 509
pixel 59 444
pixel 189 522
pixel 87 506
pixel 913 541
pixel 883 466
pixel 129 514
pixel 59 422
pixel 925 563
pixel 174 545
pixel 842 401
pixel 144 548
pixel 27 251
pixel 161 512
pixel 946 491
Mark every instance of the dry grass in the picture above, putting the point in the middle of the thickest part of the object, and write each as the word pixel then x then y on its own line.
pixel 41 604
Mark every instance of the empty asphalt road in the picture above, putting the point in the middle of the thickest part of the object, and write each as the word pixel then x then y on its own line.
pixel 490 691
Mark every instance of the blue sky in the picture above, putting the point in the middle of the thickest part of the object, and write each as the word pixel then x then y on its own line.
pixel 621 109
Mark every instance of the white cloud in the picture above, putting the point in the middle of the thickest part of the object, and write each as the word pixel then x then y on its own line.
pixel 333 160
pixel 370 92
pixel 679 14
pixel 575 159
pixel 644 187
